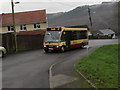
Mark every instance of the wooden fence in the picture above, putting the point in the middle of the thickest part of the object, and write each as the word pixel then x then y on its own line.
pixel 25 41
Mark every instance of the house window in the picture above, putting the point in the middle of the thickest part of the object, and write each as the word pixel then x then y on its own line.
pixel 22 27
pixel 10 29
pixel 37 26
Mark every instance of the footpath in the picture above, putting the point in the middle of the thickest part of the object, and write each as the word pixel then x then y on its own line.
pixel 64 75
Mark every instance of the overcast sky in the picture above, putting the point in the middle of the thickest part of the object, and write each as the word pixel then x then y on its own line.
pixel 51 6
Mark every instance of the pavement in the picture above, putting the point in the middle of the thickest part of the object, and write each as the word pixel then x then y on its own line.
pixel 65 76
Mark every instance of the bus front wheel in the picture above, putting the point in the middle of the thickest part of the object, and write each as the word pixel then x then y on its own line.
pixel 62 49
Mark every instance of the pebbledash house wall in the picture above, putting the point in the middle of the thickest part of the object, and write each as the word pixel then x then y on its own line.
pixel 29 27
pixel 28 18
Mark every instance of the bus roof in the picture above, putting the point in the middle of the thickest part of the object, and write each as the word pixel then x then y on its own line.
pixel 68 29
pixel 77 26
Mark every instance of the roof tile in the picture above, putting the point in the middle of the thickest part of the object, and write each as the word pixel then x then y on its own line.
pixel 24 17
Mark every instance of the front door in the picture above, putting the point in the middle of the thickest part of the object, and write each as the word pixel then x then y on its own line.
pixel 67 38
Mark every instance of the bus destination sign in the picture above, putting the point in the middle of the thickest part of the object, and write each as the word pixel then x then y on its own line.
pixel 53 29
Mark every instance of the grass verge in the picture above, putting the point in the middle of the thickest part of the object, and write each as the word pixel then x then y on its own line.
pixel 101 67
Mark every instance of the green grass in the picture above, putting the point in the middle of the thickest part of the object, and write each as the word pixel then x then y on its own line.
pixel 101 67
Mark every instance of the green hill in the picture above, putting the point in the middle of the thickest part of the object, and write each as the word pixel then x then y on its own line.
pixel 103 15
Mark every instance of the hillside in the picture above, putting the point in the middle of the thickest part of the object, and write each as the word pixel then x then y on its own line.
pixel 103 16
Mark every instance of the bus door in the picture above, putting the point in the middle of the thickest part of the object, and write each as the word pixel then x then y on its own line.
pixel 67 38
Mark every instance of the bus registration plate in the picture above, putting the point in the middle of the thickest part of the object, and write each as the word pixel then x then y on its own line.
pixel 50 48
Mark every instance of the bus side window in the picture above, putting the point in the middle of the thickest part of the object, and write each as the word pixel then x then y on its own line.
pixel 74 35
pixel 78 35
pixel 83 35
pixel 63 36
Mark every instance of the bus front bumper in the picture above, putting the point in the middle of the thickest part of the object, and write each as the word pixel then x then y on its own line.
pixel 52 49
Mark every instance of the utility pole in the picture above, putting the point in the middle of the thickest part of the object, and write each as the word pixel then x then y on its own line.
pixel 90 19
pixel 14 29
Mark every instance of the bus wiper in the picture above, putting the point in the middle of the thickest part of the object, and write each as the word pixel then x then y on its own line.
pixel 49 41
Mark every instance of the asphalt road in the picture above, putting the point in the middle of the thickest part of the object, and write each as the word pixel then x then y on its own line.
pixel 30 69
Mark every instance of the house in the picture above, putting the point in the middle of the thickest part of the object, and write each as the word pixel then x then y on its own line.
pixel 105 33
pixel 30 29
pixel 31 21
pixel 108 32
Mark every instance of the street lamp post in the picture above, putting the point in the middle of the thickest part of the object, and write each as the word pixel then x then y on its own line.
pixel 13 20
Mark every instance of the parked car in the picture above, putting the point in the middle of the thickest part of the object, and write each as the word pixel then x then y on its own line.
pixel 3 51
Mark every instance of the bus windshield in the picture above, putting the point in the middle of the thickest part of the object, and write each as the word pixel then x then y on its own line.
pixel 51 36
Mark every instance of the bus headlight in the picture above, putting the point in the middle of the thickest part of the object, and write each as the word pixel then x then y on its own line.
pixel 45 46
pixel 57 46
